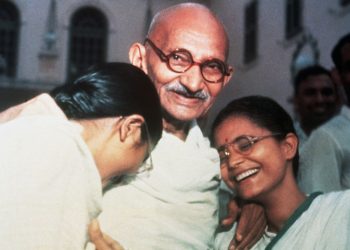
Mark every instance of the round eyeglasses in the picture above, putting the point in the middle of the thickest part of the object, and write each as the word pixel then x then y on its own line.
pixel 180 60
pixel 242 145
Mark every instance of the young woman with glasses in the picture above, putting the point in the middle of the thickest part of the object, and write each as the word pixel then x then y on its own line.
pixel 258 151
pixel 59 150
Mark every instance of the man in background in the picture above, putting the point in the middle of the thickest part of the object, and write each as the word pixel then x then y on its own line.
pixel 325 157
pixel 315 100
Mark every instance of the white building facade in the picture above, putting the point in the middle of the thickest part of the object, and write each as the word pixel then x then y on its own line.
pixel 44 42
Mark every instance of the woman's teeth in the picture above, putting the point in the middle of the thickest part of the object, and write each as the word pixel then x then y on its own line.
pixel 246 174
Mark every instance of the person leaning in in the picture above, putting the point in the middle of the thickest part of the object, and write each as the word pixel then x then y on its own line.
pixel 59 150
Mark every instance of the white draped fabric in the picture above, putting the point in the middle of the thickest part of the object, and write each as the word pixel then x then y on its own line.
pixel 321 222
pixel 175 205
pixel 50 188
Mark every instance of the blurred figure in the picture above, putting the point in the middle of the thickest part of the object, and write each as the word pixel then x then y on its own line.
pixel 325 157
pixel 341 59
pixel 315 99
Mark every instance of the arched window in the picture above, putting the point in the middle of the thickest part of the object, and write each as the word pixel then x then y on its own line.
pixel 293 18
pixel 9 30
pixel 88 40
pixel 250 32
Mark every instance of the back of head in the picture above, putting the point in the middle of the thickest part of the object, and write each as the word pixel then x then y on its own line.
pixel 262 111
pixel 305 73
pixel 336 52
pixel 112 90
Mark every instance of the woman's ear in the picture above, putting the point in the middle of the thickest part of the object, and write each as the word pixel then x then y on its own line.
pixel 137 56
pixel 290 145
pixel 130 127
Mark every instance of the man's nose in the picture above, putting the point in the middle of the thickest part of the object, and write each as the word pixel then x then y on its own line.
pixel 319 97
pixel 193 79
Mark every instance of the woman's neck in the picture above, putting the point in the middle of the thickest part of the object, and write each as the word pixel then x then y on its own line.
pixel 281 204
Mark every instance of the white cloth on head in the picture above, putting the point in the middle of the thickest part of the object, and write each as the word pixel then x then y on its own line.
pixel 321 222
pixel 175 205
pixel 325 157
pixel 50 188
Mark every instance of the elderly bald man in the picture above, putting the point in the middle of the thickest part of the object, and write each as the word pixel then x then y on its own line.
pixel 175 205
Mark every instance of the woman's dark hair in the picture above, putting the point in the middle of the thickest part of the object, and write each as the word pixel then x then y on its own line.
pixel 262 111
pixel 110 90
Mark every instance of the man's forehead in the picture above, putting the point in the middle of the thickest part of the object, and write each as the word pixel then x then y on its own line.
pixel 184 28
pixel 199 44
pixel 317 80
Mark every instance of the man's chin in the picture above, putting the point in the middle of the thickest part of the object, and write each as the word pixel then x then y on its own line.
pixel 183 115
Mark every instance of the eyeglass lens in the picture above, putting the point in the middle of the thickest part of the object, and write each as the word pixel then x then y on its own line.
pixel 181 61
pixel 242 144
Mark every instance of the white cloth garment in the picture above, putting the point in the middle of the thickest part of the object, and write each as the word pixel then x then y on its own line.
pixel 325 157
pixel 173 206
pixel 321 222
pixel 42 104
pixel 50 188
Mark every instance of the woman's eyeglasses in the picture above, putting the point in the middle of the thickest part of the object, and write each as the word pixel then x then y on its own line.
pixel 242 145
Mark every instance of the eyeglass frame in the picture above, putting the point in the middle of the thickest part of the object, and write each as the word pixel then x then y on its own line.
pixel 166 58
pixel 251 141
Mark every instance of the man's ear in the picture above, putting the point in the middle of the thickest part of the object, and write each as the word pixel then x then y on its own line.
pixel 131 127
pixel 290 145
pixel 137 56
pixel 228 78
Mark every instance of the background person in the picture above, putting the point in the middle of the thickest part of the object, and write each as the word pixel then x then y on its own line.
pixel 325 157
pixel 56 157
pixel 315 99
pixel 258 151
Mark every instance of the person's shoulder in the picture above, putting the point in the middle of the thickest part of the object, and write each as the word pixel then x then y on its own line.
pixel 42 104
pixel 337 196
pixel 343 117
pixel 41 128
pixel 338 124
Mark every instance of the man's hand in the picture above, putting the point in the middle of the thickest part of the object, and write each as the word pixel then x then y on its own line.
pixel 250 226
pixel 100 240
